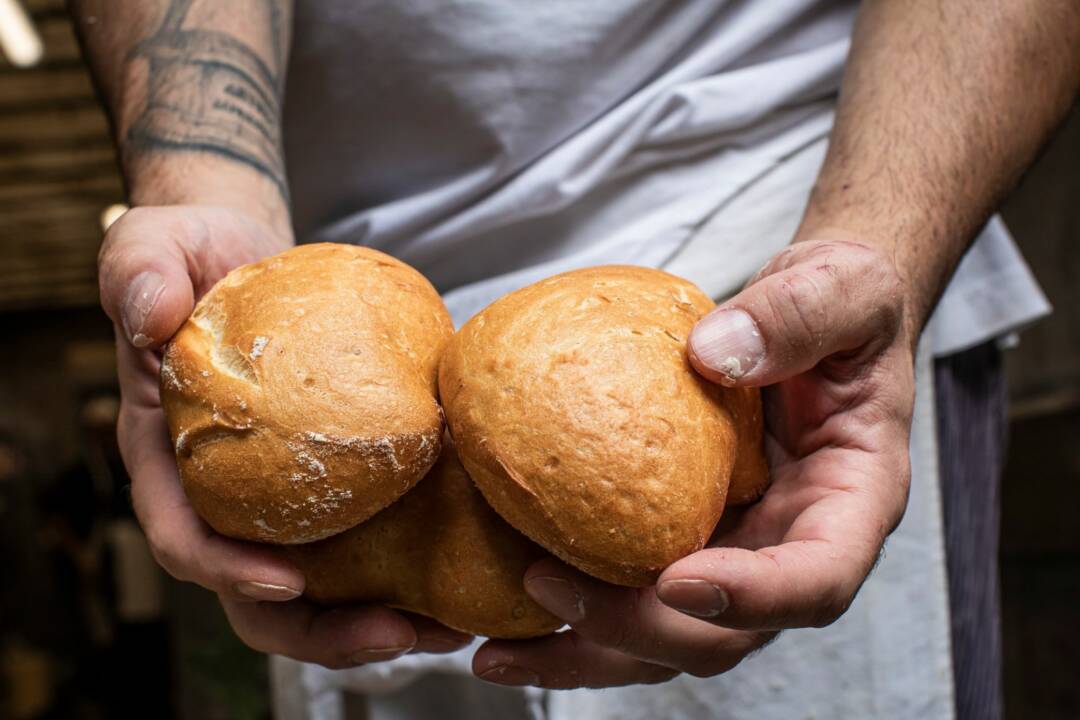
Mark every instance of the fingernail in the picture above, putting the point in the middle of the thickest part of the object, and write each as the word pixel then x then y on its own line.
pixel 142 295
pixel 694 597
pixel 266 591
pixel 370 655
pixel 510 675
pixel 728 342
pixel 559 596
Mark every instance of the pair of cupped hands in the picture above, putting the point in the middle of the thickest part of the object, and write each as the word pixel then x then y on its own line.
pixel 823 328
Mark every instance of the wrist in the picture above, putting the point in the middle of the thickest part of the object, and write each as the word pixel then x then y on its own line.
pixel 213 141
pixel 205 179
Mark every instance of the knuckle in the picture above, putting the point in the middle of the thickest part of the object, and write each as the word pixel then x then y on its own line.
pixel 245 633
pixel 334 663
pixel 872 269
pixel 879 274
pixel 716 662
pixel 164 553
pixel 833 277
pixel 761 640
pixel 831 609
pixel 795 310
pixel 108 243
pixel 901 490
pixel 802 305
pixel 726 656
pixel 621 636
pixel 104 256
pixel 780 615
pixel 851 261
pixel 176 558
pixel 119 232
pixel 114 257
pixel 124 427
pixel 658 674
pixel 780 606
pixel 626 631
pixel 777 263
pixel 194 233
pixel 251 629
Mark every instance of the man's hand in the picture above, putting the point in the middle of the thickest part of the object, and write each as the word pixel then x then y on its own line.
pixel 943 106
pixel 824 324
pixel 184 142
pixel 154 265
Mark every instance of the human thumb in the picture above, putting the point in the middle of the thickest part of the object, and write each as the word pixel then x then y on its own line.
pixel 841 298
pixel 143 274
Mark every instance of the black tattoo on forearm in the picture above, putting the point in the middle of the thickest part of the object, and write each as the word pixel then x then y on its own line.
pixel 209 92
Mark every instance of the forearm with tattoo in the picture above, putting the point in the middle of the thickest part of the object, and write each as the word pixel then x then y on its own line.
pixel 210 92
pixel 194 89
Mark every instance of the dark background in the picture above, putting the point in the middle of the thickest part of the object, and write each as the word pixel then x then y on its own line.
pixel 89 628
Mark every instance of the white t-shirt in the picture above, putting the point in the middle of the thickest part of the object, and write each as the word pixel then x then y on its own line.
pixel 491 143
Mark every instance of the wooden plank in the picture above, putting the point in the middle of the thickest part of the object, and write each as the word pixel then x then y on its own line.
pixel 49 105
pixel 73 211
pixel 46 287
pixel 74 296
pixel 36 8
pixel 56 281
pixel 78 138
pixel 105 185
pixel 57 35
pixel 22 205
pixel 1044 217
pixel 48 64
pixel 21 283
pixel 97 199
pixel 28 173
pixel 42 126
pixel 76 254
pixel 35 274
pixel 64 213
pixel 48 159
pixel 34 86
pixel 80 240
pixel 57 173
pixel 44 282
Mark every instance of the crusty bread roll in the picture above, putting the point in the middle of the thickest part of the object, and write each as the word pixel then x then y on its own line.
pixel 575 410
pixel 301 393
pixel 440 551
pixel 750 476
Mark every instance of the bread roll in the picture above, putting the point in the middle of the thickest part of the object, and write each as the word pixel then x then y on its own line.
pixel 576 412
pixel 440 551
pixel 300 395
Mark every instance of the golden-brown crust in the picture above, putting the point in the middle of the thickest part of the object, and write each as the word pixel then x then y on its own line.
pixel 300 395
pixel 750 475
pixel 576 412
pixel 440 551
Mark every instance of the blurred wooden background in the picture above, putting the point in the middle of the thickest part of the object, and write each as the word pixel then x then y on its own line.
pixel 1040 538
pixel 57 173
pixel 57 176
